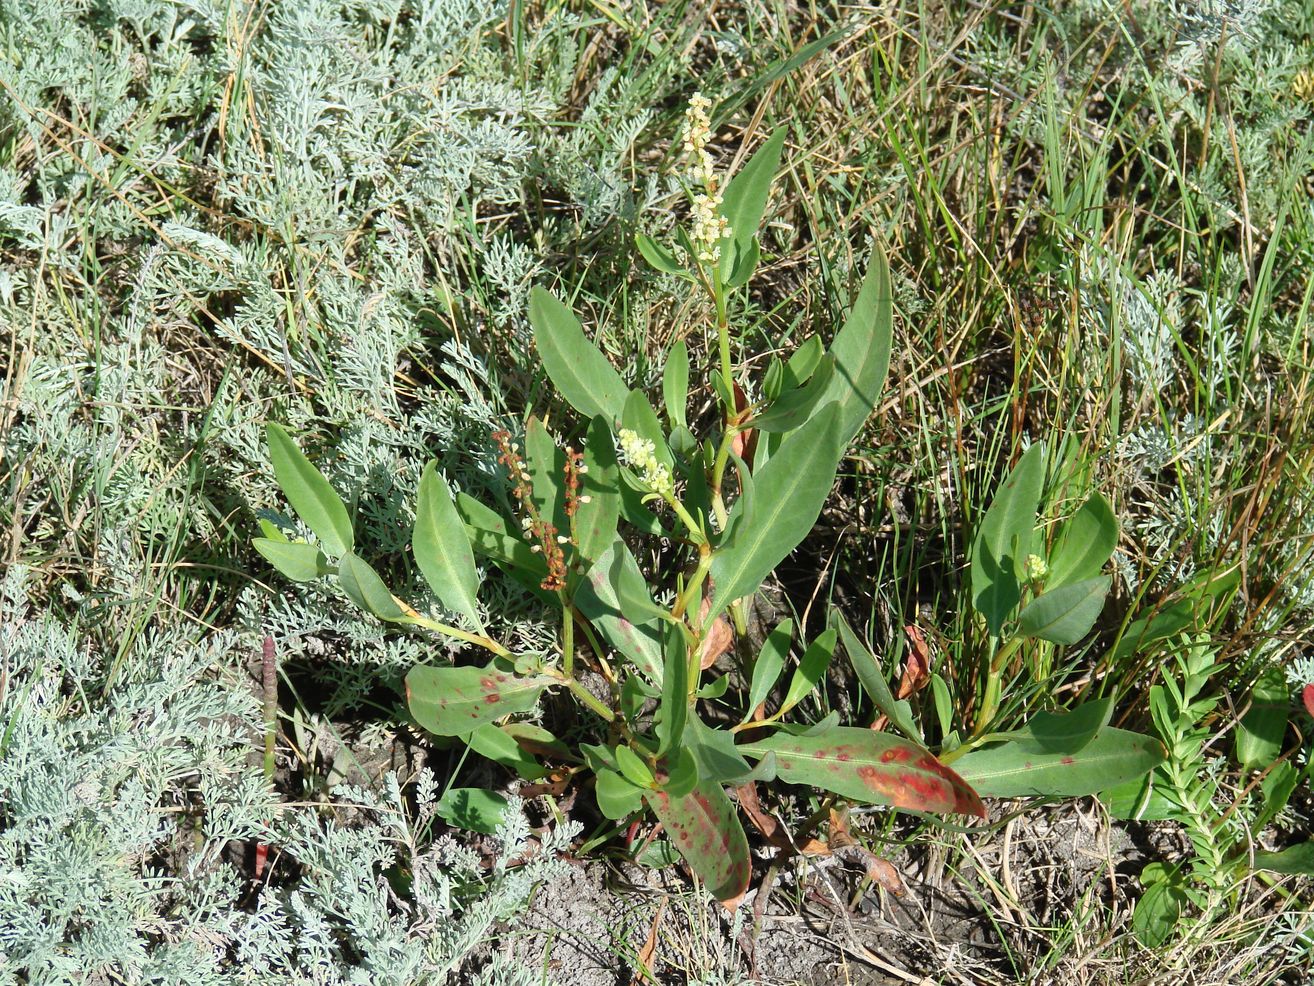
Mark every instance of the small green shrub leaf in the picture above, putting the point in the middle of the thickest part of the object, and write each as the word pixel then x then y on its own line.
pixel 456 701
pixel 1157 913
pixel 1066 614
pixel 870 767
pixel 442 548
pixel 582 375
pixel 704 827
pixel 309 493
pixel 1003 540
pixel 1017 769
pixel 472 808
pixel 297 560
pixel 1085 541
pixel 789 492
pixel 360 582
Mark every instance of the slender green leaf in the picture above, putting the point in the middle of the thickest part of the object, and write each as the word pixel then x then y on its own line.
pixel 704 827
pixel 744 199
pixel 498 745
pixel 634 769
pixel 873 680
pixel 790 491
pixel 1085 541
pixel 675 384
pixel 1012 770
pixel 366 589
pixel 673 711
pixel 1062 732
pixel 596 519
pixel 871 767
pixel 658 256
pixel 718 757
pixel 681 773
pixel 599 599
pixel 1066 614
pixel 803 363
pixel 299 561
pixel 1003 540
pixel 442 548
pixel 576 366
pixel 811 669
pixel 796 406
pixel 770 662
pixel 309 493
pixel 862 350
pixel 455 701
pixel 546 465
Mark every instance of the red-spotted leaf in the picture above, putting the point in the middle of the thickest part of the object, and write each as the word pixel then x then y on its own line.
pixel 1307 697
pixel 1020 769
pixel 705 828
pixel 453 701
pixel 876 768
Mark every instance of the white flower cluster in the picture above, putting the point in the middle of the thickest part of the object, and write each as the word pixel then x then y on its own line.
pixel 640 454
pixel 709 226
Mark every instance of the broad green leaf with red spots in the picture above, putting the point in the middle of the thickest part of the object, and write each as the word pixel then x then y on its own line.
pixel 454 701
pixel 705 828
pixel 876 768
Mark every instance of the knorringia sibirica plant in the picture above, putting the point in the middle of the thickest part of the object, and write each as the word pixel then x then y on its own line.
pixel 734 501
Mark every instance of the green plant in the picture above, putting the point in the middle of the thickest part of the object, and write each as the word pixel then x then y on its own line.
pixel 733 503
pixel 1188 788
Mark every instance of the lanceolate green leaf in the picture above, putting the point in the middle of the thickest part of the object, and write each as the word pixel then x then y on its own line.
pixel 299 561
pixel 1260 733
pixel 811 669
pixel 455 701
pixel 1012 770
pixel 871 767
pixel 596 519
pixel 675 383
pixel 1085 541
pixel 442 548
pixel 862 350
pixel 770 662
pixel 1066 614
pixel 617 797
pixel 789 492
pixel 873 680
pixel 705 829
pixel 309 493
pixel 673 711
pixel 366 589
pixel 580 372
pixel 1297 860
pixel 796 406
pixel 472 808
pixel 1003 540
pixel 599 600
pixel 745 197
pixel 658 256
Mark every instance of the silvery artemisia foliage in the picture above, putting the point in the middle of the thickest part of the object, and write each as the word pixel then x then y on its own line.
pixel 123 803
pixel 211 215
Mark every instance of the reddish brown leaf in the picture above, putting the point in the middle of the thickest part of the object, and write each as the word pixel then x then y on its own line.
pixel 917 667
pixel 871 767
pixel 744 444
pixel 649 949
pixel 1307 696
pixel 705 829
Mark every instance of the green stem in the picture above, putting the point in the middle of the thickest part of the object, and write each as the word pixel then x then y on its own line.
pixel 990 701
pixel 718 475
pixel 589 699
pixel 567 637
pixel 473 638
